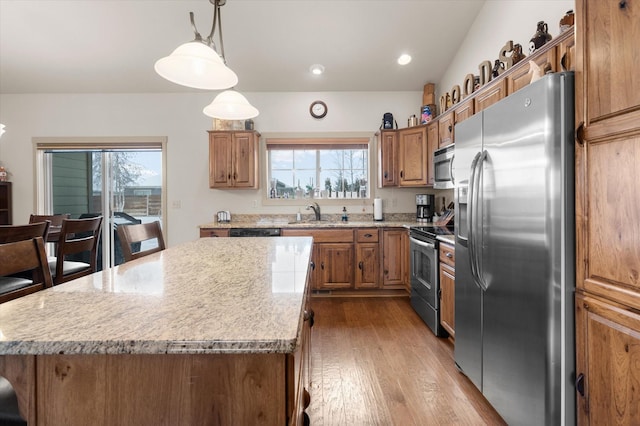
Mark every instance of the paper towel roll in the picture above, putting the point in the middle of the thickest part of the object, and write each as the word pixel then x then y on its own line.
pixel 377 209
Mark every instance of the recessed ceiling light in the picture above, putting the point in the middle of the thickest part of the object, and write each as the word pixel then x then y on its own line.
pixel 316 69
pixel 404 59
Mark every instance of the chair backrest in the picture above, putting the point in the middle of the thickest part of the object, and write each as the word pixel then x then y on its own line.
pixel 55 219
pixel 77 236
pixel 13 233
pixel 138 233
pixel 20 257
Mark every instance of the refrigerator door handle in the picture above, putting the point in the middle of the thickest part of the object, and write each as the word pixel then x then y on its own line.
pixel 478 220
pixel 471 198
pixel 453 180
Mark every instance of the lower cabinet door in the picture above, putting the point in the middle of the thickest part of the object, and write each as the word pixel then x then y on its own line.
pixel 368 265
pixel 608 363
pixel 447 298
pixel 336 266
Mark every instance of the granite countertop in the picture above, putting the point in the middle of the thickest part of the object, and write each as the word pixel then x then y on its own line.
pixel 328 221
pixel 204 296
pixel 450 239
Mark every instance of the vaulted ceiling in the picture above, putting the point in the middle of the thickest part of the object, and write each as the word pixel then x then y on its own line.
pixel 110 46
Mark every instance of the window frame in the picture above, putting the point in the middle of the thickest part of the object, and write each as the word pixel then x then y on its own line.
pixel 319 141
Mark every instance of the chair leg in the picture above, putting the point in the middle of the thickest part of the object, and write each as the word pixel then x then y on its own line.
pixel 9 412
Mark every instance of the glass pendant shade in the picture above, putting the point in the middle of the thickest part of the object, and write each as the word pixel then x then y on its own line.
pixel 230 105
pixel 196 65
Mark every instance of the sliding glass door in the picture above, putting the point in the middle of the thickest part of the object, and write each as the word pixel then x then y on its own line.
pixel 123 184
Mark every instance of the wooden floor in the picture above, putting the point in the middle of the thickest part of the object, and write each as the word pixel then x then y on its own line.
pixel 374 362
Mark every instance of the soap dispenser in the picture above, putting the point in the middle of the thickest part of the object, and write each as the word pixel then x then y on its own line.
pixel 344 214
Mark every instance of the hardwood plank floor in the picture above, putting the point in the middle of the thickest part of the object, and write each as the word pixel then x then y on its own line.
pixel 374 362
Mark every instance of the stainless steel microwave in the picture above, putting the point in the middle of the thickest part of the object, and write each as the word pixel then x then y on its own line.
pixel 443 167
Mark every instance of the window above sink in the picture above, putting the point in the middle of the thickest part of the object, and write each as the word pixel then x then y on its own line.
pixel 301 170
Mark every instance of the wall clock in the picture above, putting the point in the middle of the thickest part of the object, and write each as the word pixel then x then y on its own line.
pixel 318 109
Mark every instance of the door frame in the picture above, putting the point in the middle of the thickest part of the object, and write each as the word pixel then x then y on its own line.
pixel 42 170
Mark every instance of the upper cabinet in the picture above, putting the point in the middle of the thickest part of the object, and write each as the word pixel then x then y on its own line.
pixel 403 157
pixel 233 159
pixel 445 129
pixel 387 158
pixel 412 156
pixel 490 94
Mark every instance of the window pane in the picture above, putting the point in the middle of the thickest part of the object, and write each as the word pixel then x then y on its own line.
pixel 319 172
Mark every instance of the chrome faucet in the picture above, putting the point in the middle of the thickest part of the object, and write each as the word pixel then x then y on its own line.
pixel 316 209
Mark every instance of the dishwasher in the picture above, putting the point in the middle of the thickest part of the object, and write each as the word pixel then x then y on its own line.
pixel 254 232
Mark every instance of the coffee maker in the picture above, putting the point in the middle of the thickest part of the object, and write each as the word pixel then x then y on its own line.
pixel 425 204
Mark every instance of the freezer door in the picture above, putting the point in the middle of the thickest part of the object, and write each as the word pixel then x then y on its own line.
pixel 526 223
pixel 468 296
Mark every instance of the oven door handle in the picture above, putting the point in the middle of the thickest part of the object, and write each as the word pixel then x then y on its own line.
pixel 422 243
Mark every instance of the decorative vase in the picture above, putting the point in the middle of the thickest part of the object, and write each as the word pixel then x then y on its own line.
pixel 567 21
pixel 540 37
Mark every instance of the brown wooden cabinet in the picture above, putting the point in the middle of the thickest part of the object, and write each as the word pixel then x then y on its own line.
pixel 214 232
pixel 607 213
pixel 387 158
pixel 233 159
pixel 608 353
pixel 352 258
pixel 432 146
pixel 490 94
pixel 463 111
pixel 6 214
pixel 412 156
pixel 367 273
pixel 335 267
pixel 520 77
pixel 566 51
pixel 395 258
pixel 447 288
pixel 445 129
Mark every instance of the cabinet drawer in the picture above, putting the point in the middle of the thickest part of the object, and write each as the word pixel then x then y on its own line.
pixel 367 235
pixel 447 254
pixel 322 235
pixel 209 232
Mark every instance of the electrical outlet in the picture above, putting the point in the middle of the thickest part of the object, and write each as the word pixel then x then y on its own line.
pixel 394 202
pixel 176 204
pixel 255 204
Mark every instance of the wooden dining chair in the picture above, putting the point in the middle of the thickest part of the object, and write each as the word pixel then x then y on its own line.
pixel 13 233
pixel 77 251
pixel 134 235
pixel 20 257
pixel 55 223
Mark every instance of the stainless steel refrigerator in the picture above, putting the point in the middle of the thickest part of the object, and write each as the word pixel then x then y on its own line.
pixel 515 274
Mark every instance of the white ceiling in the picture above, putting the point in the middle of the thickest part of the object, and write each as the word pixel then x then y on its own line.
pixel 110 46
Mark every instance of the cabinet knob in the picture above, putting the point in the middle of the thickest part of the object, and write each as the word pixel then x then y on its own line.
pixel 450 128
pixel 322 265
pixel 360 265
pixel 386 175
pixel 402 174
pixel 313 265
pixel 310 316
pixel 449 255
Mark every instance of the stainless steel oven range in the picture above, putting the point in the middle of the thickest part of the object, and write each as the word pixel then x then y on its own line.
pixel 425 283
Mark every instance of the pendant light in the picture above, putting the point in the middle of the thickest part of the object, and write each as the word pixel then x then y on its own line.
pixel 230 105
pixel 197 63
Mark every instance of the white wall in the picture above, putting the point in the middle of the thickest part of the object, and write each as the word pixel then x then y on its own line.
pixel 498 22
pixel 180 118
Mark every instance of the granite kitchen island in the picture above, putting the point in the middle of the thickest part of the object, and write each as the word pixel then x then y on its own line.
pixel 213 331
